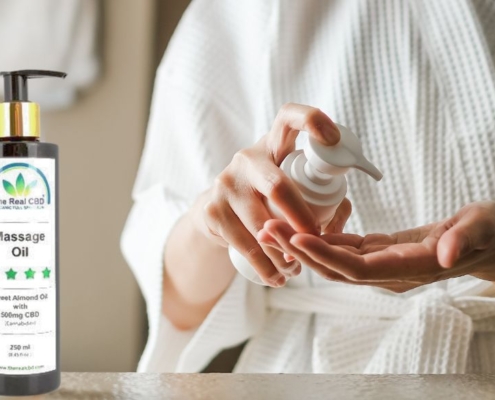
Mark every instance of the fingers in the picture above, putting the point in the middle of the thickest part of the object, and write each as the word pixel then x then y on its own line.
pixel 343 239
pixel 288 268
pixel 397 267
pixel 293 118
pixel 237 218
pixel 222 221
pixel 340 218
pixel 253 214
pixel 473 229
pixel 284 236
pixel 401 261
pixel 333 258
pixel 235 213
pixel 282 233
pixel 411 262
pixel 280 142
pixel 270 181
pixel 264 237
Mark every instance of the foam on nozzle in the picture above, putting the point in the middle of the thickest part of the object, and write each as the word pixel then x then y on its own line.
pixel 337 159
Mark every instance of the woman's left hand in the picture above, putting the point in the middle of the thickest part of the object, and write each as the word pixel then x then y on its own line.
pixel 457 246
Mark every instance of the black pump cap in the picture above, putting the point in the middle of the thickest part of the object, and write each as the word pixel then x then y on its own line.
pixel 15 82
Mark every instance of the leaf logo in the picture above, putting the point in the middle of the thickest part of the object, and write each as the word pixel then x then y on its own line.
pixel 20 189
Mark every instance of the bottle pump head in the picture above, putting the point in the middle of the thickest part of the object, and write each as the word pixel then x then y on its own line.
pixel 336 160
pixel 18 116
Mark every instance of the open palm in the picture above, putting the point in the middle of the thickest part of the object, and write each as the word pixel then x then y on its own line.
pixel 461 245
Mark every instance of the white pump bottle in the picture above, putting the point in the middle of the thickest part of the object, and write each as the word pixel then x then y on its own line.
pixel 318 171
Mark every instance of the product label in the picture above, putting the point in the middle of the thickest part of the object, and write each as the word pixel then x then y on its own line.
pixel 27 266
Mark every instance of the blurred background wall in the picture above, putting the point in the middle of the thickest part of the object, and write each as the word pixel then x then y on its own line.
pixel 100 139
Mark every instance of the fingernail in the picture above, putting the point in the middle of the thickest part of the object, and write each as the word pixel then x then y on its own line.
pixel 463 247
pixel 288 257
pixel 318 228
pixel 291 268
pixel 331 133
pixel 269 241
pixel 278 280
pixel 281 281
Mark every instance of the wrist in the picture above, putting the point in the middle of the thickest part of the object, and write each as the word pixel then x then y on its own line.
pixel 199 229
pixel 197 267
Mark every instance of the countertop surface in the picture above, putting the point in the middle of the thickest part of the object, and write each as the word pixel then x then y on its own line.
pixel 272 386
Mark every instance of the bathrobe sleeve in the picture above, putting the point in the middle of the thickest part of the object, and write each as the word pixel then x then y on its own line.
pixel 202 113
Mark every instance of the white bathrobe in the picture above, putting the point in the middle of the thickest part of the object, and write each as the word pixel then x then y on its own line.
pixel 416 81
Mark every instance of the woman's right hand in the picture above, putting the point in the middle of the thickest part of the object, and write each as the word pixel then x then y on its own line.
pixel 233 211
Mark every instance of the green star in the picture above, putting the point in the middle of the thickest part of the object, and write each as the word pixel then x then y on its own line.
pixel 29 274
pixel 11 274
pixel 46 273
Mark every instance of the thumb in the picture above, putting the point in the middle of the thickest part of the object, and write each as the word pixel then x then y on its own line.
pixel 340 218
pixel 472 229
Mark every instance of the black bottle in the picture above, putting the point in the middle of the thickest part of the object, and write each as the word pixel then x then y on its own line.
pixel 29 270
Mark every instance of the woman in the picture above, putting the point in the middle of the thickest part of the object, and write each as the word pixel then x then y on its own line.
pixel 415 81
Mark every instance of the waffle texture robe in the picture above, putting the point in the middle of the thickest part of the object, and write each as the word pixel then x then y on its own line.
pixel 415 80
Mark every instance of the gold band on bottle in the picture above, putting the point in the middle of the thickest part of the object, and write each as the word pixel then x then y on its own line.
pixel 19 119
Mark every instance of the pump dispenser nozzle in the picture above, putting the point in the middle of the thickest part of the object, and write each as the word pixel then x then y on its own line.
pixel 18 116
pixel 336 160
